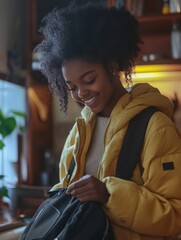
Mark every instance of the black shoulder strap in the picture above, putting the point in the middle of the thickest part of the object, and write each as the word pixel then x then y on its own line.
pixel 70 170
pixel 132 144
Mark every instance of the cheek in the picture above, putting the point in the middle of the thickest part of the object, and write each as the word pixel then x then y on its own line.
pixel 107 87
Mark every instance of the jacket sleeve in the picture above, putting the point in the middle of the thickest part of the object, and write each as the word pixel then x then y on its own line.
pixel 155 207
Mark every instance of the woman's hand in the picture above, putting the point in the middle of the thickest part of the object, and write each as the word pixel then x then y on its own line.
pixel 89 188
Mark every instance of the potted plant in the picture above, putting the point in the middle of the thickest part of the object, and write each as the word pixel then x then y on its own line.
pixel 8 123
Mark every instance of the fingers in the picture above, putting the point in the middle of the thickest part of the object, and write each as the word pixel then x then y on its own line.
pixel 79 185
pixel 86 196
pixel 77 191
pixel 89 188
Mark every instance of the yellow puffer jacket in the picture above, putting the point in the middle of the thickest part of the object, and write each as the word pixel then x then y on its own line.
pixel 147 207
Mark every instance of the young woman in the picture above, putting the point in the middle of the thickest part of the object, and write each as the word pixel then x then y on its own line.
pixel 85 48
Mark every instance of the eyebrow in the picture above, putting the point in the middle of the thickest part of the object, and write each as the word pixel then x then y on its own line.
pixel 83 75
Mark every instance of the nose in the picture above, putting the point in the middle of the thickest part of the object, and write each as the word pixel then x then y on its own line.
pixel 82 92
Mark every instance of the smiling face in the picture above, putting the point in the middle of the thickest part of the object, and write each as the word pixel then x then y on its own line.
pixel 90 84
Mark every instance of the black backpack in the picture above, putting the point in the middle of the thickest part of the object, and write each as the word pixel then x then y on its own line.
pixel 63 217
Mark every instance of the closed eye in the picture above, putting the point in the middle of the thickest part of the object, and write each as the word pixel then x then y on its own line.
pixel 91 81
pixel 73 88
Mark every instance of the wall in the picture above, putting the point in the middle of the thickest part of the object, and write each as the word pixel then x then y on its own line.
pixel 62 124
pixel 12 32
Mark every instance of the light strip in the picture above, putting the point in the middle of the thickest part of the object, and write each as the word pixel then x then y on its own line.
pixel 158 68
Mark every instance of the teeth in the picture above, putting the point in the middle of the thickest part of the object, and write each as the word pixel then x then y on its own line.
pixel 90 100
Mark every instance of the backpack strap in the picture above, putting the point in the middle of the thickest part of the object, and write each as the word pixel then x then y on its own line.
pixel 132 144
pixel 70 170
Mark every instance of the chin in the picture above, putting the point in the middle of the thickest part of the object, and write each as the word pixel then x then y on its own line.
pixel 94 110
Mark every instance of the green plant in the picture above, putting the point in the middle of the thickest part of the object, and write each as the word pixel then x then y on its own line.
pixel 8 123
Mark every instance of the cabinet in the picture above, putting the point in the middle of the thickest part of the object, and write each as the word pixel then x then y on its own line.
pixel 39 100
pixel 156 35
pixel 155 29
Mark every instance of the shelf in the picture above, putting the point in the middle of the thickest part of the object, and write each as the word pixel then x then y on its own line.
pixel 158 23
pixel 163 60
pixel 7 221
pixel 155 32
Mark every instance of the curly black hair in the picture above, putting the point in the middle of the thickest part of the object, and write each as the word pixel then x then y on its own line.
pixel 88 31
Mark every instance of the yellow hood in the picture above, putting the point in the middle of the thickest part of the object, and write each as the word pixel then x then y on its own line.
pixel 140 97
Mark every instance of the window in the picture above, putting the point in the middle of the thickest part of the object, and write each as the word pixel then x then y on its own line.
pixel 12 98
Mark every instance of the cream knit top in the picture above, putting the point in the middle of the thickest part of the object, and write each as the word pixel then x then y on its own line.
pixel 96 147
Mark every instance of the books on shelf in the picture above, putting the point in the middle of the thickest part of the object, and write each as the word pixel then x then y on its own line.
pixel 144 7
pixel 138 7
pixel 135 6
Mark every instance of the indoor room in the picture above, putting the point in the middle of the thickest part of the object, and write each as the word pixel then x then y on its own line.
pixel 33 130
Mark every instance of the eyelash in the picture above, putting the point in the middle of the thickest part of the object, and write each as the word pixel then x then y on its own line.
pixel 91 81
pixel 73 88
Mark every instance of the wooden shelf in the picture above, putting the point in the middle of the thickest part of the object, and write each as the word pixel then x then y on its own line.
pixel 161 60
pixel 7 221
pixel 154 24
pixel 155 32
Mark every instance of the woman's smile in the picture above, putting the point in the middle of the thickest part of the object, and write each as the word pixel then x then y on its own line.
pixel 90 101
pixel 90 84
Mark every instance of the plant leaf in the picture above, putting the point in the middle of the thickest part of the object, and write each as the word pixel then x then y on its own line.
pixel 1 144
pixel 7 125
pixel 1 115
pixel 3 192
pixel 19 114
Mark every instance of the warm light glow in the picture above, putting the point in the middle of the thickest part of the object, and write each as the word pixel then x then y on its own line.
pixel 41 108
pixel 158 68
pixel 154 76
pixel 156 73
pixel 146 75
pixel 166 78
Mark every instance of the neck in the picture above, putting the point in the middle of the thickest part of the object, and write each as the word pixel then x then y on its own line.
pixel 113 101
